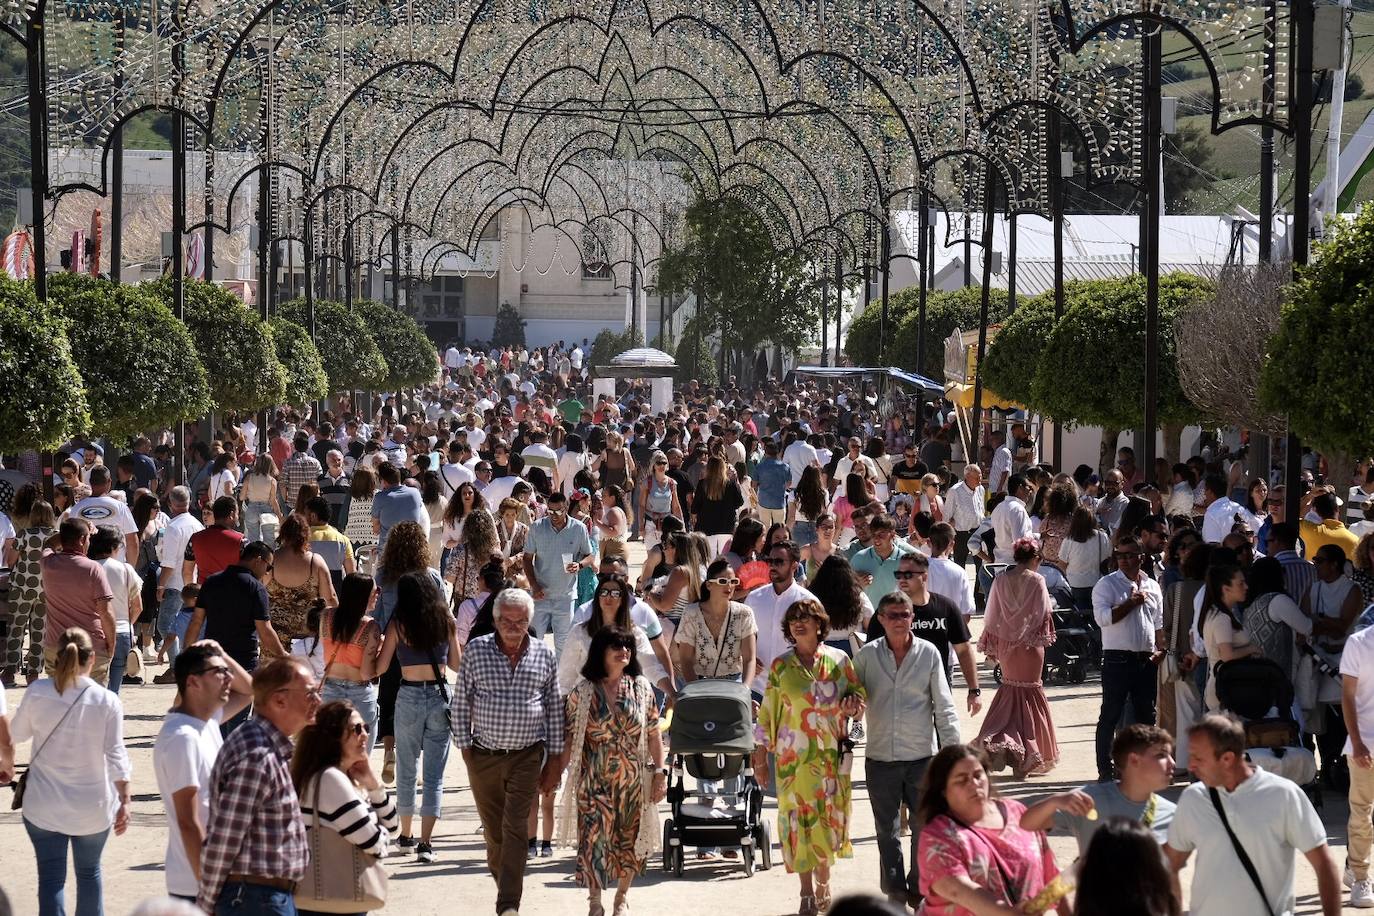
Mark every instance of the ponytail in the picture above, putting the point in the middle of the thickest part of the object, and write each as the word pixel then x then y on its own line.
pixel 74 651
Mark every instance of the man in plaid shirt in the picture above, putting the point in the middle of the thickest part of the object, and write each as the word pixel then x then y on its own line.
pixel 255 848
pixel 508 722
pixel 300 469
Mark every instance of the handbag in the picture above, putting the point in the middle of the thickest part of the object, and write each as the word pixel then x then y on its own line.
pixel 1168 667
pixel 1241 854
pixel 21 784
pixel 341 878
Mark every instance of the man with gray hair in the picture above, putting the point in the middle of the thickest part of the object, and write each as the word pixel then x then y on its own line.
pixel 172 545
pixel 507 721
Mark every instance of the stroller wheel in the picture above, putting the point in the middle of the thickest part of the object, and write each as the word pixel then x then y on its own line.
pixel 668 847
pixel 764 842
pixel 747 854
pixel 678 863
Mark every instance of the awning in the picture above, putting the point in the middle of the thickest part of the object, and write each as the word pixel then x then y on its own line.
pixel 901 375
pixel 963 396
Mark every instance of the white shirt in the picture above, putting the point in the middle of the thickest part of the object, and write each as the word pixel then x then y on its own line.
pixel 1359 655
pixel 453 358
pixel 641 615
pixel 310 651
pixel 497 490
pixel 126 586
pixel 1136 631
pixel 1109 510
pixel 798 457
pixel 71 786
pixel 768 607
pixel 1001 464
pixel 1219 519
pixel 574 656
pixel 1272 817
pixel 171 547
pixel 183 756
pixel 951 580
pixel 7 532
pixel 477 435
pixel 1180 500
pixel 1010 523
pixel 105 510
pixel 965 506
pixel 453 476
pixel 846 465
pixel 576 357
pixel 1083 559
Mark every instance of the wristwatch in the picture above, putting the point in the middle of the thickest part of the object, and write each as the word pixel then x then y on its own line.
pixel 975 691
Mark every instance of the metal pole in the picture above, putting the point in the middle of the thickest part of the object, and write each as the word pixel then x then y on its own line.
pixel 839 304
pixel 990 192
pixel 264 273
pixel 1300 117
pixel 38 154
pixel 117 175
pixel 208 251
pixel 825 325
pixel 179 260
pixel 1266 192
pixel 887 270
pixel 1056 170
pixel 1153 202
pixel 923 287
pixel 1011 261
pixel 396 268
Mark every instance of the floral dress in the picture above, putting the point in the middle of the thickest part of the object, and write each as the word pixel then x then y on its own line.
pixel 991 858
pixel 610 783
pixel 801 724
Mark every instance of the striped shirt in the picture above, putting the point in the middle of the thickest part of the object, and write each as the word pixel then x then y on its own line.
pixel 365 824
pixel 503 709
pixel 255 825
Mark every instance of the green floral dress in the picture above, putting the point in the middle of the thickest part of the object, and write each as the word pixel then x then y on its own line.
pixel 800 723
pixel 611 786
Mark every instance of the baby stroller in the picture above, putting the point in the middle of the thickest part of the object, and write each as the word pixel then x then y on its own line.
pixel 1077 647
pixel 1259 692
pixel 711 737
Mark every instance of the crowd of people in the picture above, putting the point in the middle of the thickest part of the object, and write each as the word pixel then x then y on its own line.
pixel 452 570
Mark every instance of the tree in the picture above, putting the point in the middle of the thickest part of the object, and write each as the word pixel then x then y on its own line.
pixel 1012 357
pixel 45 402
pixel 945 311
pixel 411 358
pixel 1321 362
pixel 234 345
pixel 352 359
pixel 138 362
pixel 1092 368
pixel 610 344
pixel 693 356
pixel 748 291
pixel 509 330
pixel 305 377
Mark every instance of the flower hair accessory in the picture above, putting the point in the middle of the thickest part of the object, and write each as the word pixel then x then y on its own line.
pixel 1026 543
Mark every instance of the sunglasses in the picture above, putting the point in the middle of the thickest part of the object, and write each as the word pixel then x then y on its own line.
pixel 909 573
pixel 778 561
pixel 898 615
pixel 1127 556
pixel 357 729
pixel 609 593
pixel 722 580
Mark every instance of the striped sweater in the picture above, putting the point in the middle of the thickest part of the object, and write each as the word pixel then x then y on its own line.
pixel 366 823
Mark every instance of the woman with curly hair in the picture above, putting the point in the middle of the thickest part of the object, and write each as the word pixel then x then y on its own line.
pixel 406 551
pixel 465 561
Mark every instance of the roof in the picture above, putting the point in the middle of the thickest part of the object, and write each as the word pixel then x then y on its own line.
pixel 640 362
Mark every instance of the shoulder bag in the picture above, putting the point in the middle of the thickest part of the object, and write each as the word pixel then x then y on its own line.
pixel 23 782
pixel 341 878
pixel 1169 666
pixel 1241 853
pixel 442 683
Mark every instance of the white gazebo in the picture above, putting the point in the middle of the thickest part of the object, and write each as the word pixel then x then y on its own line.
pixel 640 362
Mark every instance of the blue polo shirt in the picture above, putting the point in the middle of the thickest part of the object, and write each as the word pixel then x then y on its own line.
pixel 547 547
pixel 398 504
pixel 773 476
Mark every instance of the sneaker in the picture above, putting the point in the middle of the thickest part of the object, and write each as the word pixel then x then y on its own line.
pixel 167 677
pixel 533 850
pixel 148 655
pixel 546 850
pixel 405 842
pixel 1362 894
pixel 132 680
pixel 424 852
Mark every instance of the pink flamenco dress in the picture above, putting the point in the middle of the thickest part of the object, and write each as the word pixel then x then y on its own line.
pixel 1018 731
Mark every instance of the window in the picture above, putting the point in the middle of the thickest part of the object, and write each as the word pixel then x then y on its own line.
pixel 440 298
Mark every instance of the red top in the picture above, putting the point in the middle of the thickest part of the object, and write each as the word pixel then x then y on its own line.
pixel 214 550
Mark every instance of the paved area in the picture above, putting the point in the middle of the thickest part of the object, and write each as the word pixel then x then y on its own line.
pixel 458 882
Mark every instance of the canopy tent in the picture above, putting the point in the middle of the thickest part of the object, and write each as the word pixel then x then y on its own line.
pixel 920 382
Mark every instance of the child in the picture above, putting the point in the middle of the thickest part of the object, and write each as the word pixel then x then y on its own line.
pixel 901 514
pixel 310 648
pixel 189 593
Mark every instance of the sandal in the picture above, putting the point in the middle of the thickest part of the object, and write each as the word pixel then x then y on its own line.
pixel 822 897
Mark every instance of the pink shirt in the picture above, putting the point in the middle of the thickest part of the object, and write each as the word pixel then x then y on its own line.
pixel 72 585
pixel 988 857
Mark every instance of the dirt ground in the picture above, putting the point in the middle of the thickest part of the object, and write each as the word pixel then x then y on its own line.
pixel 133 863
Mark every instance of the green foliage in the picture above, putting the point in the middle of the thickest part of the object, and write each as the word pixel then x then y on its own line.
pixel 610 344
pixel 509 330
pixel 1320 368
pixel 305 377
pixel 352 359
pixel 234 344
pixel 686 353
pixel 748 291
pixel 44 403
pixel 140 367
pixel 1092 368
pixel 945 311
pixel 411 358
pixel 1012 357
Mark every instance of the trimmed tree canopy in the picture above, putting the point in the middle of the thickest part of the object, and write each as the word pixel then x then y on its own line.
pixel 610 344
pixel 1092 368
pixel 509 329
pixel 945 311
pixel 1321 362
pixel 411 357
pixel 351 357
pixel 305 378
pixel 45 402
pixel 234 344
pixel 139 364
pixel 1012 357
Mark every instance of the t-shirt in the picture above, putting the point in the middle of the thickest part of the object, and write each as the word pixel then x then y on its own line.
pixel 773 478
pixel 398 504
pixel 145 469
pixel 214 550
pixel 1357 660
pixel 183 756
pixel 106 510
pixel 72 584
pixel 1110 802
pixel 125 588
pixel 906 478
pixel 1272 817
pixel 234 601
pixel 939 623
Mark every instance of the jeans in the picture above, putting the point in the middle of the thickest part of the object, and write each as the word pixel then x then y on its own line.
pixel 1125 676
pixel 364 700
pixel 804 533
pixel 252 521
pixel 422 733
pixel 51 851
pixel 890 785
pixel 239 899
pixel 167 622
pixel 553 615
pixel 123 643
